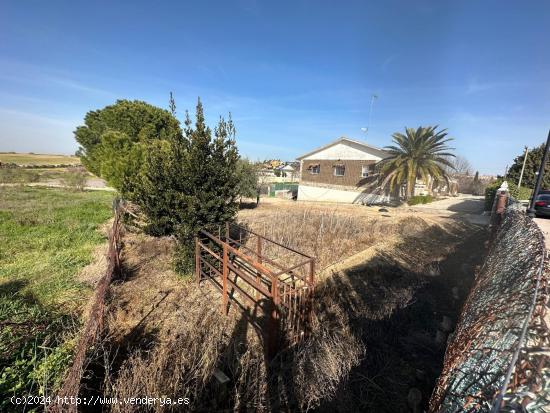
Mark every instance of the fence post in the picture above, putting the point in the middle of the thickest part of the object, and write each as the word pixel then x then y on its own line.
pixel 224 292
pixel 273 327
pixel 197 260
pixel 309 316
pixel 502 197
pixel 258 275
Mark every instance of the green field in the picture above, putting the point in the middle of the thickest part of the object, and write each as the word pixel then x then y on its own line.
pixel 38 159
pixel 46 236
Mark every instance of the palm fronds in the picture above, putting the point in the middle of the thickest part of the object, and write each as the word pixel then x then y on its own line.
pixel 419 153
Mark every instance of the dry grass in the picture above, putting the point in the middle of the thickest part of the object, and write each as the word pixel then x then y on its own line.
pixel 180 361
pixel 170 335
pixel 38 159
pixel 327 235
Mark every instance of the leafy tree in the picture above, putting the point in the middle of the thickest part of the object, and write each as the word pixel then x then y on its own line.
pixel 419 153
pixel 248 185
pixel 117 128
pixel 162 186
pixel 121 161
pixel 532 164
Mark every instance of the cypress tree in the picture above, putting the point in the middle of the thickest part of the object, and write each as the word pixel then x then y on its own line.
pixel 210 172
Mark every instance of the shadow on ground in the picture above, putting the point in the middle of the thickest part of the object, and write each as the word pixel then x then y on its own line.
pixel 401 305
pixel 403 317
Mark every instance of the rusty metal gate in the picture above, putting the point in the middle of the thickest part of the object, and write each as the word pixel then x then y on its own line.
pixel 267 280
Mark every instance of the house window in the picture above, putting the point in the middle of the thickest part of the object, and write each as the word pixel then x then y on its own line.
pixel 339 170
pixel 365 171
pixel 315 169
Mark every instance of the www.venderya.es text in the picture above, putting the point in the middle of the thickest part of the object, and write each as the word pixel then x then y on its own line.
pixel 99 400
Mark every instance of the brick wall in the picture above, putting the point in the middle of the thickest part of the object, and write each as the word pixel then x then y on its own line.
pixel 352 175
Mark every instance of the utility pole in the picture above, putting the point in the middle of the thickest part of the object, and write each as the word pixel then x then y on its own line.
pixel 523 167
pixel 372 99
pixel 540 176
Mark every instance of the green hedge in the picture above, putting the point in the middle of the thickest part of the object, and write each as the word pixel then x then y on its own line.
pixel 491 190
pixel 420 199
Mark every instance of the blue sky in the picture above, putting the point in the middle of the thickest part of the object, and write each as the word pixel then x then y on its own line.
pixel 295 75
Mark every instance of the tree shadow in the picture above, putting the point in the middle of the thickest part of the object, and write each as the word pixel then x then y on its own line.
pixel 248 205
pixel 468 206
pixel 12 287
pixel 403 318
pixel 400 304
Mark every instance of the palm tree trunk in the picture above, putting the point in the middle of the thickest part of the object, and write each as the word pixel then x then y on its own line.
pixel 411 181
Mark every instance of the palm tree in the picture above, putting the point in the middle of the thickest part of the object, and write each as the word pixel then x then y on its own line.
pixel 420 153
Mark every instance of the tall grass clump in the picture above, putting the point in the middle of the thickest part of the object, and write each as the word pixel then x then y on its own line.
pixel 329 236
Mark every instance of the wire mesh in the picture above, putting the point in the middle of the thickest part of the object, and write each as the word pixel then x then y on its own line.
pixel 498 314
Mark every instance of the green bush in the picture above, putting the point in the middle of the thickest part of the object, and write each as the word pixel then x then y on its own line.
pixel 491 190
pixel 420 199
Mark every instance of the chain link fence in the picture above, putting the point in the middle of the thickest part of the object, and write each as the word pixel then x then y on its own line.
pixel 497 359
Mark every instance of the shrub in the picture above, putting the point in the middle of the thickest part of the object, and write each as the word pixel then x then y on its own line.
pixel 420 199
pixel 248 179
pixel 75 179
pixel 491 190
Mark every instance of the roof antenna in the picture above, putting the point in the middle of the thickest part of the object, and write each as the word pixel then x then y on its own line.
pixel 372 99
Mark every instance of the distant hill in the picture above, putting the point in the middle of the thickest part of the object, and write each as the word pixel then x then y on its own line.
pixel 38 159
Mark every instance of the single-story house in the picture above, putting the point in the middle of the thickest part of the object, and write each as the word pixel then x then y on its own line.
pixel 344 171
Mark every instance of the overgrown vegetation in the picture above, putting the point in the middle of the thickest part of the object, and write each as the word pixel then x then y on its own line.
pixel 491 190
pixel 374 330
pixel 46 236
pixel 328 235
pixel 183 180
